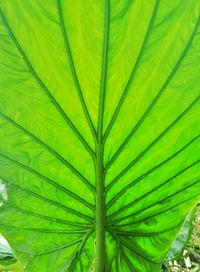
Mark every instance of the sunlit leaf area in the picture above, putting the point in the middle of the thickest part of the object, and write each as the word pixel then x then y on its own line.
pixel 100 135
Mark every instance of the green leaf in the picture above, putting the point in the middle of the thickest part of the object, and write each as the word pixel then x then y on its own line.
pixel 15 267
pixel 177 247
pixel 8 261
pixel 6 255
pixel 99 138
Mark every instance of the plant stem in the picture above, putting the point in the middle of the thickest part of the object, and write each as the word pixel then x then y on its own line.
pixel 100 212
pixel 100 186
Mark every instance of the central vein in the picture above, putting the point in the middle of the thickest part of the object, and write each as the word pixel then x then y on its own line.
pixel 100 186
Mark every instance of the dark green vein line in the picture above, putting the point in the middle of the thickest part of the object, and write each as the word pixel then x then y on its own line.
pixel 49 218
pixel 156 203
pixel 46 90
pixel 73 70
pixel 153 190
pixel 51 150
pixel 80 249
pixel 57 249
pixel 114 257
pixel 47 231
pixel 50 181
pixel 134 182
pixel 104 71
pixel 132 75
pixel 50 201
pixel 81 265
pixel 144 234
pixel 128 262
pixel 158 213
pixel 119 242
pixel 170 77
pixel 115 237
pixel 136 252
pixel 156 140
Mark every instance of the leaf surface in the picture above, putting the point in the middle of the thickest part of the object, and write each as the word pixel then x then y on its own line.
pixel 99 117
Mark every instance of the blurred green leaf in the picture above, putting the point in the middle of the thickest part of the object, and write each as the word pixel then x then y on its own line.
pixel 6 255
pixel 8 261
pixel 177 248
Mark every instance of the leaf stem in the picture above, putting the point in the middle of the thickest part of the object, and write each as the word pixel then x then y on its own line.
pixel 100 177
pixel 100 211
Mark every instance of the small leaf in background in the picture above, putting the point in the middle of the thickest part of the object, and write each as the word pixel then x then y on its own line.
pixel 6 255
pixel 8 261
pixel 3 193
pixel 183 237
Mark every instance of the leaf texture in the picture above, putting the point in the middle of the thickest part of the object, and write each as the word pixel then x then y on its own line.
pixel 100 128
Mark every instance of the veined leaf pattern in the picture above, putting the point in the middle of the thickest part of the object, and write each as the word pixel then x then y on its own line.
pixel 99 138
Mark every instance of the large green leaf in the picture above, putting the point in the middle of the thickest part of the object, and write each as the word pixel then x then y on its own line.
pixel 100 128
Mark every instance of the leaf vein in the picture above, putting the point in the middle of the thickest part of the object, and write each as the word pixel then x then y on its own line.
pixel 50 181
pixel 127 87
pixel 51 150
pixel 134 182
pixel 46 90
pixel 73 70
pixel 170 77
pixel 153 190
